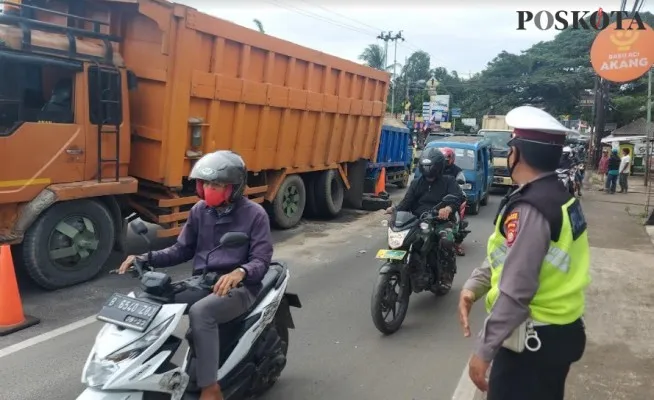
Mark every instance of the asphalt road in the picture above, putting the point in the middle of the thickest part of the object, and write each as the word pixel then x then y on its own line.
pixel 335 352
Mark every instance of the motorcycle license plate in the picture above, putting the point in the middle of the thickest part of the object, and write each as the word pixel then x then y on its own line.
pixel 128 312
pixel 391 254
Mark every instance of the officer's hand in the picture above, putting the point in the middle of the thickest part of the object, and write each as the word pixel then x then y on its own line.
pixel 390 210
pixel 228 282
pixel 444 213
pixel 466 300
pixel 126 264
pixel 477 369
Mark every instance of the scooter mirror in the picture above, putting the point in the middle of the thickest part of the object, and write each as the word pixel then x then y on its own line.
pixel 234 239
pixel 139 228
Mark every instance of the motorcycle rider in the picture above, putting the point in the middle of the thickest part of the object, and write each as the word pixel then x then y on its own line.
pixel 424 194
pixel 453 170
pixel 567 159
pixel 220 181
pixel 535 274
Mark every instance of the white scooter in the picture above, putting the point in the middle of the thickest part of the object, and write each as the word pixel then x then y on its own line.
pixel 131 357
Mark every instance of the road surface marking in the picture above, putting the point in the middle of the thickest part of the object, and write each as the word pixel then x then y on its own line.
pixel 466 390
pixel 46 336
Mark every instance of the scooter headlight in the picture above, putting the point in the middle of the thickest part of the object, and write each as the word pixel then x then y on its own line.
pixel 395 239
pixel 100 369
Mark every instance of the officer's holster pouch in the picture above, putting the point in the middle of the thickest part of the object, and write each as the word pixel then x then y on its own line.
pixel 523 337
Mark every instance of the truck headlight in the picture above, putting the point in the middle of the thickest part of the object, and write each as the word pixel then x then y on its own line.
pixel 99 370
pixel 395 239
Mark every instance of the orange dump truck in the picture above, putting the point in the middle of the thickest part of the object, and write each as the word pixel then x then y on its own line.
pixel 105 106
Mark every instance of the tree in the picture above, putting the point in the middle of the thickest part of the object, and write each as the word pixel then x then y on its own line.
pixel 259 25
pixel 552 74
pixel 374 57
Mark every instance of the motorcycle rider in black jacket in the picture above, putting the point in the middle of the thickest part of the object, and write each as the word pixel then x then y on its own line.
pixel 427 192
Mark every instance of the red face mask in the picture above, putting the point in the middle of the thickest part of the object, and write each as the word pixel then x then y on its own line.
pixel 215 197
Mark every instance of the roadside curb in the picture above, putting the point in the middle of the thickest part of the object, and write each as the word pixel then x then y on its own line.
pixel 650 231
pixel 466 390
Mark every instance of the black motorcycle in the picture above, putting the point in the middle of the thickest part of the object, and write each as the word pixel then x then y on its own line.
pixel 411 265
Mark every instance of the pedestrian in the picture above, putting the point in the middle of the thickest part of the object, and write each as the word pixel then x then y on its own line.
pixel 625 169
pixel 603 166
pixel 535 273
pixel 612 172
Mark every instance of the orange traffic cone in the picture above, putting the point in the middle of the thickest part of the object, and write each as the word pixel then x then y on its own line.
pixel 12 318
pixel 380 187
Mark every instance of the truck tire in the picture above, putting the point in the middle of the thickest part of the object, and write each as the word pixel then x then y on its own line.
pixel 82 232
pixel 288 205
pixel 405 180
pixel 375 203
pixel 311 206
pixel 329 193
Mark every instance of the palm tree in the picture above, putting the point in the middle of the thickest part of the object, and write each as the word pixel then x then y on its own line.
pixel 259 25
pixel 374 57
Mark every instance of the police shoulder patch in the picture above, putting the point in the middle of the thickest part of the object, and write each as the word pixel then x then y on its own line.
pixel 577 220
pixel 511 227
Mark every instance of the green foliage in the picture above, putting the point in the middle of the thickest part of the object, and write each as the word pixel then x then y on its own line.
pixel 553 74
pixel 259 25
pixel 375 57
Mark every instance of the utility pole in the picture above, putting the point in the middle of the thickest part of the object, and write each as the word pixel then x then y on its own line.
pixel 385 36
pixel 597 145
pixel 600 110
pixel 648 133
pixel 395 39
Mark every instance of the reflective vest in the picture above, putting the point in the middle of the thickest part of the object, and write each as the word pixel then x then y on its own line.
pixel 563 277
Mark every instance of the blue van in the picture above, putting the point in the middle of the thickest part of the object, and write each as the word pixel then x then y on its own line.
pixel 474 156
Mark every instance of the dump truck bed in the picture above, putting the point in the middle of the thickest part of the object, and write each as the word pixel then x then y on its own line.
pixel 278 104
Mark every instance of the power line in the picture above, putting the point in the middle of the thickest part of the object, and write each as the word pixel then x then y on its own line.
pixel 320 18
pixel 374 28
pixel 341 24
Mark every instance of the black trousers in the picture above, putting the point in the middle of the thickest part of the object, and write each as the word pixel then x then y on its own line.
pixel 538 375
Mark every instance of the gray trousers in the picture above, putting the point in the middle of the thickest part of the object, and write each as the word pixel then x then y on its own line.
pixel 623 180
pixel 204 317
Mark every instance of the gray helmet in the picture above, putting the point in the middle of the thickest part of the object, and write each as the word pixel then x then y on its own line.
pixel 222 166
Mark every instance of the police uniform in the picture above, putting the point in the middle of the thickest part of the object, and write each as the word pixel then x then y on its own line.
pixel 534 278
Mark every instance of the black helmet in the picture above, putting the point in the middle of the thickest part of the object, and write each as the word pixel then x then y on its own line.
pixel 222 166
pixel 432 163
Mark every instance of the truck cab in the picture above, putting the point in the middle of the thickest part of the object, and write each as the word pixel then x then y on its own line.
pixel 500 151
pixel 64 138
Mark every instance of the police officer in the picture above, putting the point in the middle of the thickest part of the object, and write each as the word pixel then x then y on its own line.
pixel 535 273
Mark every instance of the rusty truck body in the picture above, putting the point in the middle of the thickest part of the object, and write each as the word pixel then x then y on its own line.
pixel 105 106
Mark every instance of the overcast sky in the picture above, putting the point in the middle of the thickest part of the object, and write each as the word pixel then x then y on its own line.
pixel 457 37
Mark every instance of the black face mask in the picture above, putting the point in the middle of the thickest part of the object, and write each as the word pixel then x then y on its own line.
pixel 515 161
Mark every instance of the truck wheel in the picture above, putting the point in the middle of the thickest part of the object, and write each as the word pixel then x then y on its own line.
pixel 311 206
pixel 405 180
pixel 375 203
pixel 288 206
pixel 329 193
pixel 68 244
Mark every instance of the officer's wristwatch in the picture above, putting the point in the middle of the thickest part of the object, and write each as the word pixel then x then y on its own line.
pixel 244 271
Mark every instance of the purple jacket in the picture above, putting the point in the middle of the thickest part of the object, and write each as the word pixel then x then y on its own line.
pixel 202 233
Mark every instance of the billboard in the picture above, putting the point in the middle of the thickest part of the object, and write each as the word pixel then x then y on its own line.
pixel 439 107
